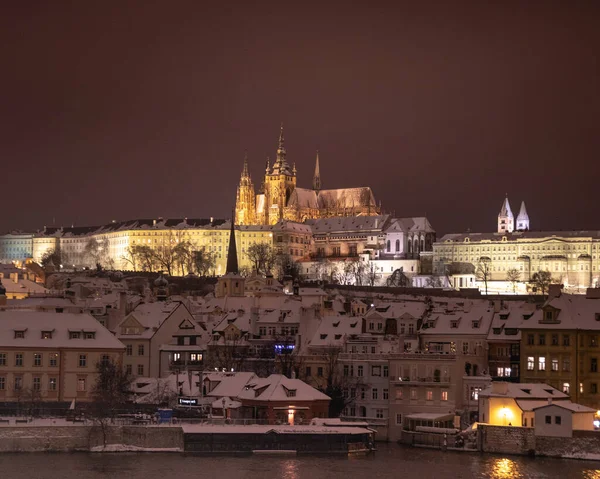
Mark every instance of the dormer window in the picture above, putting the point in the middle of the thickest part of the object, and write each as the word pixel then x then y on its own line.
pixel 338 336
pixel 323 336
pixel 90 335
pixel 548 315
pixel 291 393
pixel 503 315
pixel 20 334
pixel 454 324
pixel 475 324
pixel 74 334
pixel 46 334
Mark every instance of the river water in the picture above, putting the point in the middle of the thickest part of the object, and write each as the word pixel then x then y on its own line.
pixel 390 461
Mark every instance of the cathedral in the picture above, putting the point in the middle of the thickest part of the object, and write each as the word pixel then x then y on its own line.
pixel 280 199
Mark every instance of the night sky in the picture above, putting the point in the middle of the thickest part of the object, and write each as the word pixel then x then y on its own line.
pixel 117 110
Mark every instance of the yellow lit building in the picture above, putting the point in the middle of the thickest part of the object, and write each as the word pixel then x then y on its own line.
pixel 52 356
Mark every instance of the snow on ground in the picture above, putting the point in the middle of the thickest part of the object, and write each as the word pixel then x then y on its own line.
pixel 128 448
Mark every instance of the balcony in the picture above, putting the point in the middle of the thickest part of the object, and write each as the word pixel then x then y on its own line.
pixel 428 381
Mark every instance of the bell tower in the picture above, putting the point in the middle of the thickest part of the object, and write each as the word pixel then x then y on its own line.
pixel 280 181
pixel 245 203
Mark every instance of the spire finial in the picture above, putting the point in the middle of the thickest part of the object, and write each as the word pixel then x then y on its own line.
pixel 317 175
pixel 281 139
pixel 245 170
pixel 232 261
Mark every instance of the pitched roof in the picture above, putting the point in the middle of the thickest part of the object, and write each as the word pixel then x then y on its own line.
pixel 229 384
pixel 277 388
pixel 346 198
pixel 303 198
pixel 33 323
pixel 523 216
pixel 505 210
pixel 526 391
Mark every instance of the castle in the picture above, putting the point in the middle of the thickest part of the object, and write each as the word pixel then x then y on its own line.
pixel 280 199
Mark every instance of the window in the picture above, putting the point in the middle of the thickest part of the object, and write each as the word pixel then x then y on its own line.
pixel 2 383
pixel 37 383
pixel 566 388
pixel 530 363
pixel 37 359
pixel 46 334
pixel 362 393
pixel 52 384
pixel 593 388
pixel 594 341
pixel 346 370
pixel 360 371
pixel 18 383
pixel 429 395
pixel 594 365
pixel 140 369
pixel 386 371
pixel 82 360
pixel 557 420
pixel 566 364
pixel 320 372
pixel 542 340
pixel 541 363
pixel 19 334
pixel 90 335
pixel 128 369
pixel 53 360
pixel 140 350
pixel 81 384
pixel 399 394
pixel 465 347
pixel 413 394
pixel 2 359
pixel 554 365
pixel 555 340
pixel 398 419
pixel 308 371
pixel 129 350
pixel 375 370
pixel 475 324
pixel 19 359
pixel 379 413
pixel 530 339
pixel 73 334
pixel 444 395
pixel 566 340
pixel 375 393
pixel 548 419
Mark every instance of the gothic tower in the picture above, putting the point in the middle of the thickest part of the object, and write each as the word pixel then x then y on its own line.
pixel 280 181
pixel 523 219
pixel 231 283
pixel 506 219
pixel 317 175
pixel 245 204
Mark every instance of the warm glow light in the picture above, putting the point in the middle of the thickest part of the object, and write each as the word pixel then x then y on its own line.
pixel 506 468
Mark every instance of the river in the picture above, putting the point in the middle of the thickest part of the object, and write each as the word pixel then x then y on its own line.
pixel 390 461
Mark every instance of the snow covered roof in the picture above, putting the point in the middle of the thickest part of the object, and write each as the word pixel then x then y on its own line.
pixel 346 198
pixel 507 322
pixel 574 312
pixel 407 225
pixel 332 330
pixel 571 406
pixel 151 316
pixel 34 324
pixel 398 309
pixel 260 429
pixel 278 388
pixel 343 224
pixel 22 286
pixel 303 198
pixel 228 384
pixel 531 391
pixel 518 236
pixel 474 318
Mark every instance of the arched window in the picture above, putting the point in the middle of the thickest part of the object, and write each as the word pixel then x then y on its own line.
pixel 422 244
pixel 409 246
pixel 388 246
pixel 397 245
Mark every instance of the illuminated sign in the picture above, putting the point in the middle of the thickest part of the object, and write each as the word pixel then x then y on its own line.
pixel 284 347
pixel 187 401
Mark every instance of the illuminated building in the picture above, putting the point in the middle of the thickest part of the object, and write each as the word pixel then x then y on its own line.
pixel 280 199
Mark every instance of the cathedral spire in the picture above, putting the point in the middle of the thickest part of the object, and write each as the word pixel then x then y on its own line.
pixel 317 175
pixel 245 170
pixel 281 139
pixel 232 260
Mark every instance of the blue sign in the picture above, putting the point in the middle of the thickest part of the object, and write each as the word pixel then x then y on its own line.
pixel 165 415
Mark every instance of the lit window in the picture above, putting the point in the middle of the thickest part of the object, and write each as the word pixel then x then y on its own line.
pixel 444 395
pixel 81 384
pixel 429 395
pixel 541 363
pixel 530 363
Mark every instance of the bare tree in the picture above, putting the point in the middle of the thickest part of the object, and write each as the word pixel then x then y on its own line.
pixel 51 260
pixel 542 280
pixel 261 256
pixel 398 279
pixel 130 257
pixel 513 275
pixel 203 261
pixel 338 385
pixel 371 274
pixel 484 271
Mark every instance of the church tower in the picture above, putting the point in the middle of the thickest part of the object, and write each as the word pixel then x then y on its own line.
pixel 280 181
pixel 506 219
pixel 317 175
pixel 245 203
pixel 231 283
pixel 523 219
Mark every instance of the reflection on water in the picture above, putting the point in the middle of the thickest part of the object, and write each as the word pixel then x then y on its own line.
pixel 389 462
pixel 505 469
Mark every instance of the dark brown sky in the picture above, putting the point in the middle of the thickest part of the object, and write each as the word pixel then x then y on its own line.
pixel 117 110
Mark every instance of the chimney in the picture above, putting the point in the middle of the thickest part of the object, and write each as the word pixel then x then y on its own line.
pixel 122 304
pixel 500 387
pixel 554 291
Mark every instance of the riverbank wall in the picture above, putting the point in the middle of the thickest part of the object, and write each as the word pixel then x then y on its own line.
pixel 523 441
pixel 89 438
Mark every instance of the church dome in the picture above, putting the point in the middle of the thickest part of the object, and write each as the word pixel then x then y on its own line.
pixel 161 282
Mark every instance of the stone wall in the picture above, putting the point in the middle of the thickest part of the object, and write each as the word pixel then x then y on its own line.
pixel 506 439
pixel 84 438
pixel 522 440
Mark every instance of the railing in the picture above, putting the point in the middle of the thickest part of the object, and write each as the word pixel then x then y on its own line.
pixel 406 380
pixel 372 421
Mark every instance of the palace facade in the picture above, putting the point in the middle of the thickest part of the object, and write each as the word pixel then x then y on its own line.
pixel 280 199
